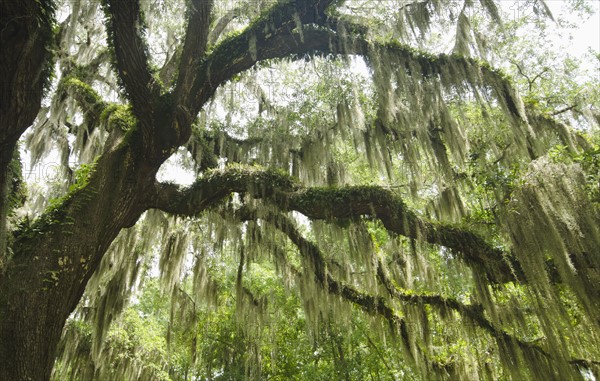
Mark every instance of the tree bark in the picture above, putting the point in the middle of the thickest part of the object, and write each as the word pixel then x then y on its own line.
pixel 23 40
pixel 55 257
pixel 26 32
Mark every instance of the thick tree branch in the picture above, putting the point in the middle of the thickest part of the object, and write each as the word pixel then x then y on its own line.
pixel 264 40
pixel 25 64
pixel 377 202
pixel 214 187
pixel 125 25
pixel 196 40
pixel 270 36
pixel 336 203
pixel 225 61
pixel 168 72
pixel 220 26
pixel 25 38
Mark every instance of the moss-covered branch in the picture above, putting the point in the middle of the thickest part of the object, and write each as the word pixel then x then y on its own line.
pixel 277 33
pixel 196 40
pixel 222 23
pixel 381 203
pixel 335 204
pixel 215 186
pixel 124 24
pixel 88 100
pixel 473 312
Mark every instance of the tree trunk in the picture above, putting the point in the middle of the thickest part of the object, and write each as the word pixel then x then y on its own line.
pixel 35 303
pixel 23 57
pixel 30 328
pixel 28 332
pixel 55 257
pixel 44 271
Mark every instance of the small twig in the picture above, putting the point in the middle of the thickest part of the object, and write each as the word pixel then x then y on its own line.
pixel 563 110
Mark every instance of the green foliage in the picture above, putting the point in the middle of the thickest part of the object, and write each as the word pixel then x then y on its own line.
pixel 82 89
pixel 17 193
pixel 588 159
pixel 119 116
pixel 222 344
pixel 552 80
pixel 82 176
pixel 55 213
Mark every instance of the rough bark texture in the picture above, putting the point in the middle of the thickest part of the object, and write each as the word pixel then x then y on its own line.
pixel 28 332
pixel 24 58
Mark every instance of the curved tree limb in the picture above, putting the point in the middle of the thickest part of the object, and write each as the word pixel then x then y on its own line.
pixel 89 101
pixel 335 36
pixel 196 40
pixel 214 187
pixel 473 313
pixel 381 203
pixel 223 63
pixel 222 23
pixel 371 304
pixel 271 36
pixel 336 204
pixel 377 305
pixel 124 26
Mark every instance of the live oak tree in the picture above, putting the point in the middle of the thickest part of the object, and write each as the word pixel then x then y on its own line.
pixel 416 187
